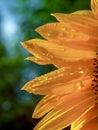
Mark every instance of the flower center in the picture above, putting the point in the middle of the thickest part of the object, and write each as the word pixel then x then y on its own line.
pixel 95 80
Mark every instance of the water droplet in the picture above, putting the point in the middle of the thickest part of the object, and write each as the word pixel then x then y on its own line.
pixel 63 29
pixel 48 34
pixel 81 72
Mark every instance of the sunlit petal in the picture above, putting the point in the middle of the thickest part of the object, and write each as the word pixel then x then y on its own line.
pixel 91 125
pixel 59 118
pixel 71 91
pixel 46 52
pixel 52 82
pixel 88 116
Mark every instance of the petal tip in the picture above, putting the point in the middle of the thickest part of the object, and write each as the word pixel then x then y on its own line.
pixel 22 88
pixel 23 44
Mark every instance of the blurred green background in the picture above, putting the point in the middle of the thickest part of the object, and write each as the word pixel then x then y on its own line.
pixel 18 19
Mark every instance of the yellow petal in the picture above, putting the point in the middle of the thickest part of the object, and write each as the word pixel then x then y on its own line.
pixel 38 60
pixel 47 104
pixel 58 31
pixel 83 63
pixel 86 24
pixel 92 125
pixel 84 18
pixel 56 82
pixel 74 34
pixel 80 19
pixel 50 78
pixel 46 52
pixel 88 116
pixel 34 50
pixel 65 113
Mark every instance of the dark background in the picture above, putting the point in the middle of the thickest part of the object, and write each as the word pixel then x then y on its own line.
pixel 18 19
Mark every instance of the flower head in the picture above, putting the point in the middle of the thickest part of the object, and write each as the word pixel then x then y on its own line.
pixel 71 91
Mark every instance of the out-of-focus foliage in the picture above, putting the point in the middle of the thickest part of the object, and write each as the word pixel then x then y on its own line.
pixel 16 106
pixel 11 109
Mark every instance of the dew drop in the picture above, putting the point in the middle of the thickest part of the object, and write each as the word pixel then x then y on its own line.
pixel 48 34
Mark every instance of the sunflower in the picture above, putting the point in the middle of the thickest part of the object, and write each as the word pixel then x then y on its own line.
pixel 71 91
